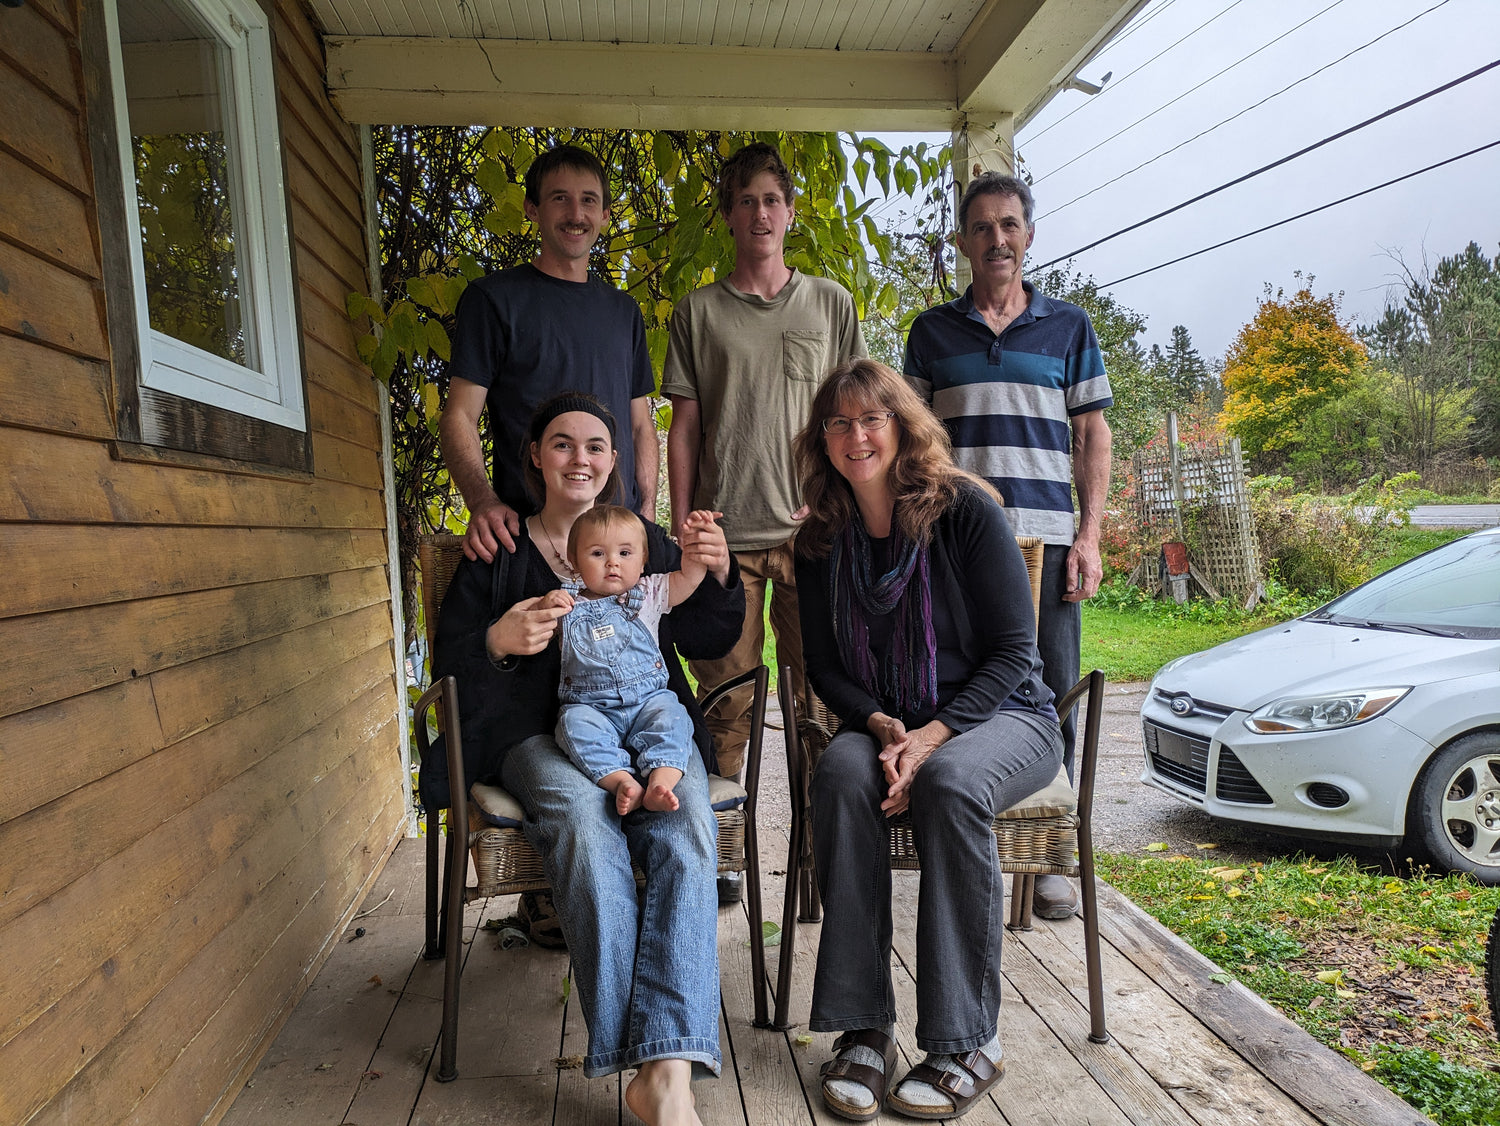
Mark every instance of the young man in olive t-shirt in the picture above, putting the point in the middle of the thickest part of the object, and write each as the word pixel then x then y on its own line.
pixel 745 357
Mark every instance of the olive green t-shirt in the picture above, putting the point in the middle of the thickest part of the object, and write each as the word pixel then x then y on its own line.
pixel 754 365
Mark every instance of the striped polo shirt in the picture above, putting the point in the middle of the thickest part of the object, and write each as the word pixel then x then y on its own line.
pixel 1007 399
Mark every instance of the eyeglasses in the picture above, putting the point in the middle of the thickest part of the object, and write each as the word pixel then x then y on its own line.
pixel 872 420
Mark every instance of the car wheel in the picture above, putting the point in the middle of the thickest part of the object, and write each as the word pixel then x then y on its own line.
pixel 1455 810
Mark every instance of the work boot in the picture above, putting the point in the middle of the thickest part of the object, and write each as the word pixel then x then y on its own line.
pixel 1054 897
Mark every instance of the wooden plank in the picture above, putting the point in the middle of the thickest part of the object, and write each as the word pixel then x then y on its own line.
pixel 46 303
pixel 59 479
pixel 335 142
pixel 1124 1080
pixel 50 657
pixel 759 1071
pixel 301 62
pixel 107 817
pixel 334 414
pixel 59 12
pixel 339 248
pixel 1318 1078
pixel 1189 1062
pixel 588 1102
pixel 337 371
pixel 405 1057
pixel 61 566
pixel 338 460
pixel 217 1011
pixel 328 322
pixel 72 1033
pixel 192 697
pixel 80 740
pixel 41 131
pixel 45 389
pixel 308 192
pixel 42 216
pixel 35 46
pixel 123 894
pixel 325 186
pixel 318 282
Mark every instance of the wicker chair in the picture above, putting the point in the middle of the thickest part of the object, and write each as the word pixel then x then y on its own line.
pixel 1048 833
pixel 504 861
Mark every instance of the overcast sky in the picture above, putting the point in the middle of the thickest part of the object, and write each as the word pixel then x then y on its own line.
pixel 1344 247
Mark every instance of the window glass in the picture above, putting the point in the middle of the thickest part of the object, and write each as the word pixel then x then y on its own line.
pixel 179 96
pixel 1455 588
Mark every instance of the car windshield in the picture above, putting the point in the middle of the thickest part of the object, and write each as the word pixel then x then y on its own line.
pixel 1452 591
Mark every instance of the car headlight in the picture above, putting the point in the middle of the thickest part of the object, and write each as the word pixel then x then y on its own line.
pixel 1320 713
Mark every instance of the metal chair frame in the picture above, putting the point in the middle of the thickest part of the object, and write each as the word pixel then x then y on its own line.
pixel 444 921
pixel 801 883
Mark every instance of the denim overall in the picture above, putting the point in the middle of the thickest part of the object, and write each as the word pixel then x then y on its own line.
pixel 614 690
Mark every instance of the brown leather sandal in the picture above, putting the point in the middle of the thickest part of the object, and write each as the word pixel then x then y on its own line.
pixel 861 1073
pixel 961 1089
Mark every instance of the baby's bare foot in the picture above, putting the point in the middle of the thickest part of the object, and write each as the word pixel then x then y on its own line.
pixel 626 789
pixel 628 797
pixel 660 798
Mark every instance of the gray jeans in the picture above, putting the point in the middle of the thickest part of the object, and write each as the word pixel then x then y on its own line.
pixel 961 906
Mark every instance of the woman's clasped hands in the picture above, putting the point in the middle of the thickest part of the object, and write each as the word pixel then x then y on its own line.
pixel 902 754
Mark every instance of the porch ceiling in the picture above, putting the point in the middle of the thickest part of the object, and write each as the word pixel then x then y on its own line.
pixel 677 64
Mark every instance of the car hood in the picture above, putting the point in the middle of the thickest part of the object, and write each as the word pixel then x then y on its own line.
pixel 1305 658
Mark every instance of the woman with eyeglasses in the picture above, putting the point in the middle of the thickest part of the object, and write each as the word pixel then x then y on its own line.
pixel 918 631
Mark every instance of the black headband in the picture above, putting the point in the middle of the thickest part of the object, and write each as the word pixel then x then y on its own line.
pixel 566 403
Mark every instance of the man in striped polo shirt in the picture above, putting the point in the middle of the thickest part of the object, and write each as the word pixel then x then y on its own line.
pixel 1018 379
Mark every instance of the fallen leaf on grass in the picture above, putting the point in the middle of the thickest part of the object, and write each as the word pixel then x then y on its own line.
pixel 1201 847
pixel 1315 1003
pixel 1331 977
pixel 1157 846
pixel 1220 979
pixel 1368 1065
pixel 1344 994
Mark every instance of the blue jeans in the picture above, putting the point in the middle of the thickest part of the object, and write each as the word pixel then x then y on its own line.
pixel 961 906
pixel 647 970
pixel 657 732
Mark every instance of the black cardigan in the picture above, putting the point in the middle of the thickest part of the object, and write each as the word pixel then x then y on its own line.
pixel 499 708
pixel 982 617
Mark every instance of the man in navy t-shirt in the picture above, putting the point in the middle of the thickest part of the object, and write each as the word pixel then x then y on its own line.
pixel 525 334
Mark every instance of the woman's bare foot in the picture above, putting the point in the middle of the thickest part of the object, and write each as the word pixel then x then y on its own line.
pixel 627 791
pixel 660 1094
pixel 659 787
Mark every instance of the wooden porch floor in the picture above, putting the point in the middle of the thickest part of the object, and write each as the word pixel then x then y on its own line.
pixel 360 1047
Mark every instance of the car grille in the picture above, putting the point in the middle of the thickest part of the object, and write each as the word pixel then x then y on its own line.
pixel 1182 759
pixel 1178 757
pixel 1234 783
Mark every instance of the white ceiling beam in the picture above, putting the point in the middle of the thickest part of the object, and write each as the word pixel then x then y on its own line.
pixel 383 81
pixel 1017 53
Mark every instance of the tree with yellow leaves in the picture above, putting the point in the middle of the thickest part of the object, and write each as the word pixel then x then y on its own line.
pixel 1295 356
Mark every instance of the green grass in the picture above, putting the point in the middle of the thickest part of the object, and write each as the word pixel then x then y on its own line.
pixel 1335 946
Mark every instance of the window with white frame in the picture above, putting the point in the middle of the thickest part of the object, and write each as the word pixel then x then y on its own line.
pixel 204 204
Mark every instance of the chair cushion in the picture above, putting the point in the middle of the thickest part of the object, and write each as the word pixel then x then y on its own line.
pixel 1055 799
pixel 724 794
pixel 495 806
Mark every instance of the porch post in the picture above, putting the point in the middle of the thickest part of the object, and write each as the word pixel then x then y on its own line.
pixel 388 466
pixel 982 142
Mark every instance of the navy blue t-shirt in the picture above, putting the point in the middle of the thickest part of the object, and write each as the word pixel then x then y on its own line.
pixel 527 336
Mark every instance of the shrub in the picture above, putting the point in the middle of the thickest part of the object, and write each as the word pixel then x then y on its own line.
pixel 1321 546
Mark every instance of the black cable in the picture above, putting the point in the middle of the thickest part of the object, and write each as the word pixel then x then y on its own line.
pixel 1185 93
pixel 1138 69
pixel 1242 112
pixel 1142 22
pixel 1277 163
pixel 1294 218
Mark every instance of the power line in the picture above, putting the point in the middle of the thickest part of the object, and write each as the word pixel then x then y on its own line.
pixel 1277 163
pixel 1125 77
pixel 1241 113
pixel 1185 93
pixel 1142 22
pixel 1294 218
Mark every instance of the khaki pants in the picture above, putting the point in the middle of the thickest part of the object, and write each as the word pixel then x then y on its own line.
pixel 730 720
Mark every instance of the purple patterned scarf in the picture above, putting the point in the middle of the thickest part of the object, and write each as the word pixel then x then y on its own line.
pixel 906 674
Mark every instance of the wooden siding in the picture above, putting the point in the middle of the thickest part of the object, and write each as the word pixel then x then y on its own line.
pixel 198 716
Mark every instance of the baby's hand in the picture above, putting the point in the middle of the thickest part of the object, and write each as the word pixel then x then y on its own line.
pixel 700 517
pixel 555 599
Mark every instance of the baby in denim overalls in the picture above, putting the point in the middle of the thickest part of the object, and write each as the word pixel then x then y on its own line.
pixel 613 687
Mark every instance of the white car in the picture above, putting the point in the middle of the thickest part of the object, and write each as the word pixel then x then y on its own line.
pixel 1375 719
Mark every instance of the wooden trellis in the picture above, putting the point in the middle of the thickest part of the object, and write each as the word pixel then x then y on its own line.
pixel 1198 494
